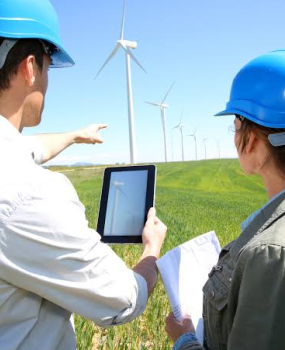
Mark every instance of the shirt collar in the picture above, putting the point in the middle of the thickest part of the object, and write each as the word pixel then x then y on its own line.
pixel 8 128
pixel 249 219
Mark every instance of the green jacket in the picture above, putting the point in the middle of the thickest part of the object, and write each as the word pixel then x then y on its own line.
pixel 244 297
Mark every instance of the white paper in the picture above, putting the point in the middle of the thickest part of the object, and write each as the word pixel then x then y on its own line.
pixel 184 271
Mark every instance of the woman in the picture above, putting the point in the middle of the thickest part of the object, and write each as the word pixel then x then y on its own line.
pixel 244 297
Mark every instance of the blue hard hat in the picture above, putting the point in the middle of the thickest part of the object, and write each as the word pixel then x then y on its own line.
pixel 258 91
pixel 33 19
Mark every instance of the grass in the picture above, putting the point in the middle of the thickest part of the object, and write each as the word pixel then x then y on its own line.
pixel 191 198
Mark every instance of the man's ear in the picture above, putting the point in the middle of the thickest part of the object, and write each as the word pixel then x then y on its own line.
pixel 251 142
pixel 28 71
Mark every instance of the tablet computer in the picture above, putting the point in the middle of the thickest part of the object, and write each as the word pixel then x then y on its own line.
pixel 127 194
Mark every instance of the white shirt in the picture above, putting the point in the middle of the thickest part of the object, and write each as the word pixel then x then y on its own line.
pixel 51 262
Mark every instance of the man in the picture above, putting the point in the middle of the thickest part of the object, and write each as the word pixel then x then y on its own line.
pixel 51 262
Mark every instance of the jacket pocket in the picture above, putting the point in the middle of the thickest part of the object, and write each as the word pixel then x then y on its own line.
pixel 216 289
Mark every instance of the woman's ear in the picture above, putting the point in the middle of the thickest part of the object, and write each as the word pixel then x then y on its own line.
pixel 28 70
pixel 251 142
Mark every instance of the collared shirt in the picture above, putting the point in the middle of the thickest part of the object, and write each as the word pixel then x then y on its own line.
pixel 35 148
pixel 51 262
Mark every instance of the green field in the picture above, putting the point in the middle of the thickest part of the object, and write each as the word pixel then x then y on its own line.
pixel 191 198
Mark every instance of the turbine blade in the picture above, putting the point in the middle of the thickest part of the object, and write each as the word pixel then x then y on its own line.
pixel 153 103
pixel 123 21
pixel 120 190
pixel 128 51
pixel 167 92
pixel 175 127
pixel 112 54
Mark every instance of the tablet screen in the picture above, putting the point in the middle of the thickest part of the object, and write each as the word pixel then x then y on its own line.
pixel 126 203
pixel 127 194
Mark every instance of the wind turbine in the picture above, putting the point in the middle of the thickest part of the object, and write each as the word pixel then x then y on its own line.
pixel 219 149
pixel 162 106
pixel 194 136
pixel 204 141
pixel 118 189
pixel 180 126
pixel 126 45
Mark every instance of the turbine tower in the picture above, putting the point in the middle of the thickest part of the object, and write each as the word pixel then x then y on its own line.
pixel 195 141
pixel 162 106
pixel 204 141
pixel 219 149
pixel 126 45
pixel 118 189
pixel 180 126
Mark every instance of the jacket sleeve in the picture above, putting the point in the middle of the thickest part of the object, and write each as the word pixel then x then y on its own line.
pixel 187 341
pixel 259 321
pixel 192 346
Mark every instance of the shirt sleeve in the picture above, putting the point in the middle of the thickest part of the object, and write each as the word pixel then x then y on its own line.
pixel 259 319
pixel 47 248
pixel 35 148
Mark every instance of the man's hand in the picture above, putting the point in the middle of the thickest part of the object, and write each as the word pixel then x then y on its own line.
pixel 175 329
pixel 153 234
pixel 90 134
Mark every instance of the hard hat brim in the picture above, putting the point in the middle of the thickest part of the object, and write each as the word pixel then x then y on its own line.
pixel 60 58
pixel 259 121
pixel 233 111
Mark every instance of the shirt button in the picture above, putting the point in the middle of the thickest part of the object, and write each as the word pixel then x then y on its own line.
pixel 212 294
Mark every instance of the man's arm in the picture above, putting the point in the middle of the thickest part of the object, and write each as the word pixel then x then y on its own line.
pixel 153 237
pixel 67 264
pixel 52 144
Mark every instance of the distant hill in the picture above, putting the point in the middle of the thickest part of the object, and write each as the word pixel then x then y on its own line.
pixel 82 164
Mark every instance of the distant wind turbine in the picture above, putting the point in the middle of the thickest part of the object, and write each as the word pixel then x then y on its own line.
pixel 204 141
pixel 219 149
pixel 180 126
pixel 162 107
pixel 118 189
pixel 126 45
pixel 194 137
pixel 172 148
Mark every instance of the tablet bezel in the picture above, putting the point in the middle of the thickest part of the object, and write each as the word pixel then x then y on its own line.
pixel 149 202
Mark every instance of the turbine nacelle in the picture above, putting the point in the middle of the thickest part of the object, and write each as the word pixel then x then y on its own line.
pixel 118 183
pixel 164 105
pixel 127 43
pixel 179 126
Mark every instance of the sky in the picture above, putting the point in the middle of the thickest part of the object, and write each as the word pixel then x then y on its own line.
pixel 199 44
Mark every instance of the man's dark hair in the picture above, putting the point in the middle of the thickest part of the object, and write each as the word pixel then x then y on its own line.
pixel 22 49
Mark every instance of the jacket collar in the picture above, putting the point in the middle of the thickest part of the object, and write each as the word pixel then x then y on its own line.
pixel 267 215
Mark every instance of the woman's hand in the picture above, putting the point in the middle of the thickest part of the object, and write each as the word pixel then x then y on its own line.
pixel 175 329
